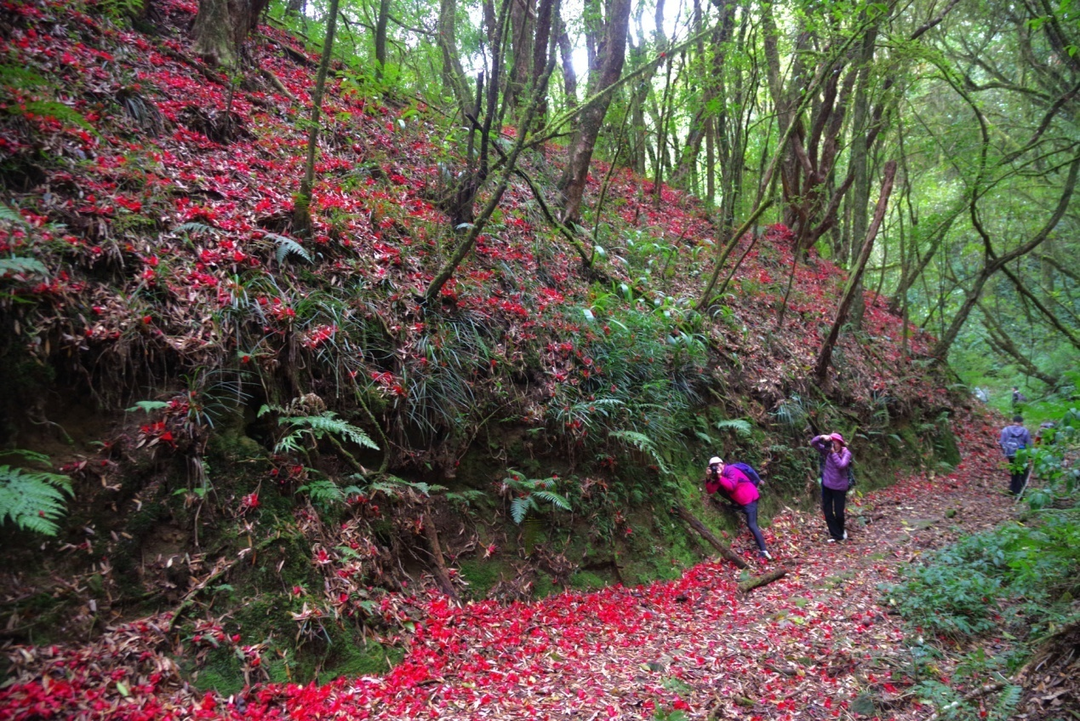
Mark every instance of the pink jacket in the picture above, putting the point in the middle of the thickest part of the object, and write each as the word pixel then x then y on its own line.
pixel 736 486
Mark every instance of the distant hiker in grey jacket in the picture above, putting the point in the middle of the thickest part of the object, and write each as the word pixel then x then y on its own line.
pixel 1014 437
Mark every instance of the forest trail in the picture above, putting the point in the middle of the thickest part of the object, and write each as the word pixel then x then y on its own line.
pixel 804 647
pixel 817 644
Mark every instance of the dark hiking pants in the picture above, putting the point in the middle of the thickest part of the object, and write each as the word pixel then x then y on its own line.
pixel 750 509
pixel 832 503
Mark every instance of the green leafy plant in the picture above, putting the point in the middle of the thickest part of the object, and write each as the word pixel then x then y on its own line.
pixel 527 493
pixel 317 427
pixel 32 500
pixel 326 494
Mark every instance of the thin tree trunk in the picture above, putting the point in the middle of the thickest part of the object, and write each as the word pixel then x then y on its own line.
pixel 380 37
pixel 509 165
pixel 302 210
pixel 821 369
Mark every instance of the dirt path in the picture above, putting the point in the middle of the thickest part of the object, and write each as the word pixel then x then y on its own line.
pixel 813 645
pixel 805 647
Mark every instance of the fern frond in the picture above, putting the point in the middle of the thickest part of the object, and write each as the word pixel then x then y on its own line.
pixel 33 501
pixel 519 508
pixel 10 215
pixel 286 247
pixel 195 227
pixel 61 112
pixel 19 77
pixel 740 426
pixel 22 265
pixel 554 499
pixel 323 492
pixel 326 423
pixel 644 444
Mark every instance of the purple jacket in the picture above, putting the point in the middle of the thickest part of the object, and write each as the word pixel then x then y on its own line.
pixel 835 473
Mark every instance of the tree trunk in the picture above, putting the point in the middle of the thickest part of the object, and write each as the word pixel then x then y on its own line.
pixel 705 533
pixel 762 580
pixel 452 72
pixel 221 27
pixel 302 210
pixel 821 369
pixel 610 58
pixel 380 37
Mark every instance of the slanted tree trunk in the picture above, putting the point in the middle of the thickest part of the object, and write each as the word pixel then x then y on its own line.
pixel 302 209
pixel 611 54
pixel 821 369
pixel 705 533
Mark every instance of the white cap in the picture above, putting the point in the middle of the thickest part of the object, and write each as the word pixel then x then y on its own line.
pixel 714 461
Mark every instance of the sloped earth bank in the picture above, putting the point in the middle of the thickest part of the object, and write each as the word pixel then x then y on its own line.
pixel 804 647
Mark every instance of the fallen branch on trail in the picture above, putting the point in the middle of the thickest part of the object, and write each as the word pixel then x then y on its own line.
pixel 762 580
pixel 707 535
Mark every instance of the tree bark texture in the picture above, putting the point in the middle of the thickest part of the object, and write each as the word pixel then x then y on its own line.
pixel 222 26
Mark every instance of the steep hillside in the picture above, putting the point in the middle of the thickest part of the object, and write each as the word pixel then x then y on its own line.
pixel 273 435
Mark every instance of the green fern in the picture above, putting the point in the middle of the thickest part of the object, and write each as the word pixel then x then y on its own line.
pixel 317 427
pixel 10 215
pixel 526 492
pixel 287 247
pixel 21 265
pixel 19 77
pixel 394 487
pixel 326 494
pixel 194 227
pixel 644 444
pixel 740 426
pixel 32 500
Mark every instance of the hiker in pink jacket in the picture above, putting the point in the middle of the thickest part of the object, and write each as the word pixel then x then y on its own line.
pixel 738 488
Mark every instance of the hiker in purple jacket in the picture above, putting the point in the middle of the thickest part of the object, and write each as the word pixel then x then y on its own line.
pixel 836 458
pixel 1013 438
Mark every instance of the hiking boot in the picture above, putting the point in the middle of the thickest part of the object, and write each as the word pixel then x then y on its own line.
pixel 765 555
pixel 831 540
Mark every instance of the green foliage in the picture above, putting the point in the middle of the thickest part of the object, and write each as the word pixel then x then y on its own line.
pixel 32 500
pixel 395 487
pixel 288 247
pixel 21 265
pixel 961 589
pixel 326 494
pixel 317 427
pixel 527 493
pixel 1050 462
pixel 739 426
pixel 148 406
pixel 643 443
